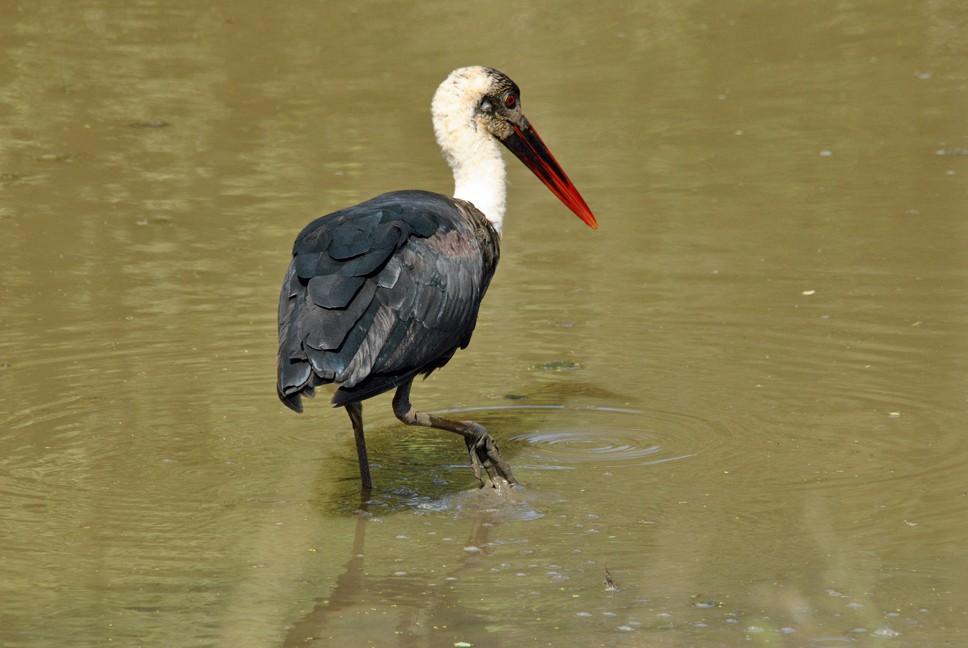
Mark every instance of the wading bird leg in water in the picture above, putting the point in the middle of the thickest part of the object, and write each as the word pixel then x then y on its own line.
pixel 481 447
pixel 355 410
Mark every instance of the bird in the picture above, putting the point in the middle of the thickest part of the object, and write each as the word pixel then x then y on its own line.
pixel 384 291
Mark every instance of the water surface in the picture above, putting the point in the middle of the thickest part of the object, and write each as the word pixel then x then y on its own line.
pixel 738 409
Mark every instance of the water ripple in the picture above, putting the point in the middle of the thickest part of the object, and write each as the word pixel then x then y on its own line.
pixel 564 438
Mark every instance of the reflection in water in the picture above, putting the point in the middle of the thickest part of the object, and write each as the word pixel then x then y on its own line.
pixel 400 609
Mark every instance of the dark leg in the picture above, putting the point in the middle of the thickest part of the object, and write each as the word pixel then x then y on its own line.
pixel 355 410
pixel 483 452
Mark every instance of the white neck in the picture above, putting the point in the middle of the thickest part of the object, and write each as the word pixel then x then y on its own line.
pixel 472 153
pixel 480 181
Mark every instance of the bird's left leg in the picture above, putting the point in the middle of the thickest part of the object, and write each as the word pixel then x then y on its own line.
pixel 481 447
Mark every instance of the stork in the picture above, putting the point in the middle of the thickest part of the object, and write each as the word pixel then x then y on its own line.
pixel 381 292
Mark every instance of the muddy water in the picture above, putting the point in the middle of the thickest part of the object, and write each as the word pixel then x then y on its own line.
pixel 742 401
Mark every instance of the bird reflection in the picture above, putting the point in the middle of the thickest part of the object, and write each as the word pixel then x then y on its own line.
pixel 399 610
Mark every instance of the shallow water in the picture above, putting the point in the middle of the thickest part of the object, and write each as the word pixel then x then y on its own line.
pixel 738 409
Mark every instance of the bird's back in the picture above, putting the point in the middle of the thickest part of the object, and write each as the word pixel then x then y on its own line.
pixel 380 292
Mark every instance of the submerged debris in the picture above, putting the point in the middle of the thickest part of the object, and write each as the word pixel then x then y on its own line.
pixel 556 365
pixel 609 583
pixel 150 123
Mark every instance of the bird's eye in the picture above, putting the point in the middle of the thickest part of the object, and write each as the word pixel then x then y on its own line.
pixel 510 100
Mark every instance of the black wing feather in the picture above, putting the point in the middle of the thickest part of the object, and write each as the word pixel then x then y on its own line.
pixel 381 292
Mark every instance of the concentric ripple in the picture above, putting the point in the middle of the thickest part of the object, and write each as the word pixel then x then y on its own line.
pixel 564 438
pixel 593 445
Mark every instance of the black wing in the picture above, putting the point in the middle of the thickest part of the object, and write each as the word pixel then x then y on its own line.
pixel 380 292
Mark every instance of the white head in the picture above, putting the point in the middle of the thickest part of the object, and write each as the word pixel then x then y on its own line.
pixel 474 109
pixel 470 150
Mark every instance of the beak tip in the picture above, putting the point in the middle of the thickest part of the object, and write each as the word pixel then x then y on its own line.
pixel 587 217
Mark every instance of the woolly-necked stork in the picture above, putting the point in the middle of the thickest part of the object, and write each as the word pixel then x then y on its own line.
pixel 390 288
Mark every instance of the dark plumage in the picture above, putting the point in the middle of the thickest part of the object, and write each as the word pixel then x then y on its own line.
pixel 381 292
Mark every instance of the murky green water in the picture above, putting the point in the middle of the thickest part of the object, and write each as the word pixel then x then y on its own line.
pixel 745 397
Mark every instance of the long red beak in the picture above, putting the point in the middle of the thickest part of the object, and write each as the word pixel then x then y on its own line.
pixel 529 148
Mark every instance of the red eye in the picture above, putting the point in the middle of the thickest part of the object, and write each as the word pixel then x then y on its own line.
pixel 510 100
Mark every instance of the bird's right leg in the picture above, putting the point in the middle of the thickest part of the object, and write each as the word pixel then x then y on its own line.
pixel 355 410
pixel 481 447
